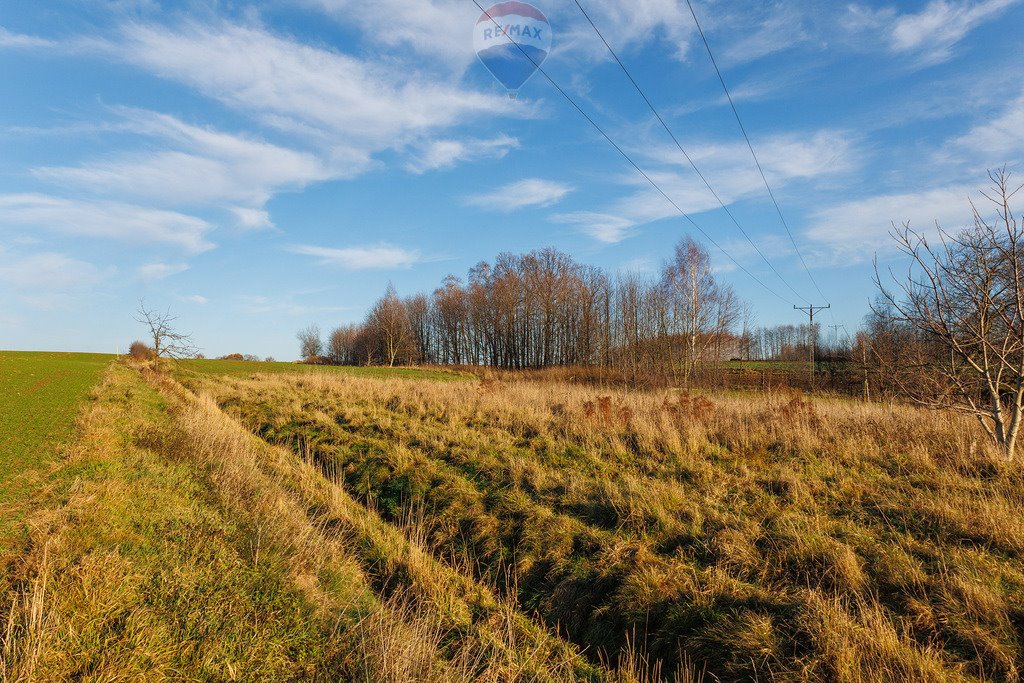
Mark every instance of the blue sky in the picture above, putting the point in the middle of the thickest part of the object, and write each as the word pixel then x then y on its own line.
pixel 258 167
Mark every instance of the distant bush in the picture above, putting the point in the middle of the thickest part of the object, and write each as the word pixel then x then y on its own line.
pixel 232 356
pixel 140 351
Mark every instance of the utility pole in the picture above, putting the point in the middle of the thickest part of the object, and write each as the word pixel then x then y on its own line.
pixel 835 335
pixel 810 311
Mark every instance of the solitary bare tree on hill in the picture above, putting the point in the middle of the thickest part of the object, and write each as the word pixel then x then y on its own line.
pixel 167 341
pixel 965 297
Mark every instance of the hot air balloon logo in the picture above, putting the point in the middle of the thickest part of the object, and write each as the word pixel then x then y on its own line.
pixel 512 39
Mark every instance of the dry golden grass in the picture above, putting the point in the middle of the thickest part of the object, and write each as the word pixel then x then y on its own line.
pixel 767 537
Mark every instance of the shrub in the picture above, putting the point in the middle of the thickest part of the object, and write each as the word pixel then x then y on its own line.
pixel 140 351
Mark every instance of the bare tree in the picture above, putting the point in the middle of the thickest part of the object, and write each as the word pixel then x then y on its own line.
pixel 167 341
pixel 966 296
pixel 311 346
pixel 700 310
pixel 390 320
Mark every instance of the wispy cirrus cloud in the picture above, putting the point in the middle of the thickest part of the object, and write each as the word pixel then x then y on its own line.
pixel 372 257
pixel 852 231
pixel 526 193
pixel 787 158
pixel 443 154
pixel 202 167
pixel 398 23
pixel 932 33
pixel 603 227
pixel 357 106
pixel 20 40
pixel 105 219
pixel 996 141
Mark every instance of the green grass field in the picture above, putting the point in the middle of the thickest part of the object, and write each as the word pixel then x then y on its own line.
pixel 780 365
pixel 238 368
pixel 40 395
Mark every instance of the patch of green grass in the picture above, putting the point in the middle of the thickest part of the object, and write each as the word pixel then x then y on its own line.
pixel 237 368
pixel 40 395
pixel 151 574
pixel 785 365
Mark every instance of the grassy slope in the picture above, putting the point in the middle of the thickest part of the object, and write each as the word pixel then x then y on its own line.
pixel 171 544
pixel 769 538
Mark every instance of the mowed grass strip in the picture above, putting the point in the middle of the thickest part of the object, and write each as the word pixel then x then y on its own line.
pixel 40 395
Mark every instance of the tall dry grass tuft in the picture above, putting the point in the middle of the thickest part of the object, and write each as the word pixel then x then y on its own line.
pixel 25 626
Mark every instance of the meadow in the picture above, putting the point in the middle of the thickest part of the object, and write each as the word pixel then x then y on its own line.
pixel 234 368
pixel 40 396
pixel 331 525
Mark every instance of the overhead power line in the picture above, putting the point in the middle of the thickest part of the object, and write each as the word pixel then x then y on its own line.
pixel 750 146
pixel 631 162
pixel 679 145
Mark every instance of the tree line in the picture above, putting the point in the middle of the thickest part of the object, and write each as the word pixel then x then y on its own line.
pixel 544 309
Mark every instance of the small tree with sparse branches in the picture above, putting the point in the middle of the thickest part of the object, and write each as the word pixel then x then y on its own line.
pixel 167 341
pixel 965 296
pixel 311 346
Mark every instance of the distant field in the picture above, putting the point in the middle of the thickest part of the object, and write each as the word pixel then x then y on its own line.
pixel 238 368
pixel 766 365
pixel 40 394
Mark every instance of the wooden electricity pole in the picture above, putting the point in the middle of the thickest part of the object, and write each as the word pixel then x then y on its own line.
pixel 811 310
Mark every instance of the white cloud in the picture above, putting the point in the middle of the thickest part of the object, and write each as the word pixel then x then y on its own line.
pixel 378 257
pixel 601 226
pixel 197 299
pixel 781 29
pixel 995 142
pixel 18 40
pixel 395 23
pixel 729 169
pixel 444 154
pixel 356 106
pixel 206 167
pixel 252 219
pixel 159 271
pixel 104 219
pixel 941 25
pixel 931 33
pixel 49 272
pixel 784 157
pixel 627 24
pixel 853 231
pixel 530 192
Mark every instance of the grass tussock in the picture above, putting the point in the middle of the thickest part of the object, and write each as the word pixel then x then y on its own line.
pixel 767 537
